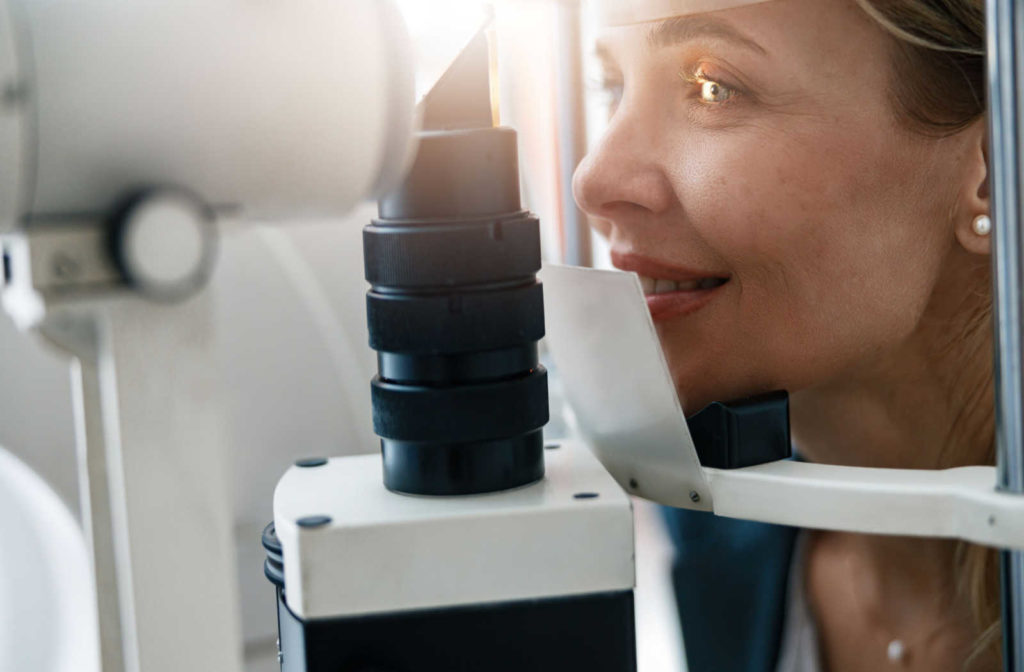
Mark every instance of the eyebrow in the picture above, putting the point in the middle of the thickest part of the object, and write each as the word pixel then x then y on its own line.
pixel 685 28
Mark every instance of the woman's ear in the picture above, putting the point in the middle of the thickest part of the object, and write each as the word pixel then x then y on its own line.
pixel 975 194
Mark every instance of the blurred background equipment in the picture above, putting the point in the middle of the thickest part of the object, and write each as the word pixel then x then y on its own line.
pixel 131 133
pixel 290 298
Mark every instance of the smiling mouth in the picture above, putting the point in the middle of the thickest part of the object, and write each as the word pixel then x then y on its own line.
pixel 669 299
pixel 655 286
pixel 671 290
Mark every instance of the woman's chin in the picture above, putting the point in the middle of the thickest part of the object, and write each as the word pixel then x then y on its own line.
pixel 693 401
pixel 696 383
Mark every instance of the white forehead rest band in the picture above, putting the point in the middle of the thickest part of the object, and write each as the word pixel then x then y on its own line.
pixel 628 12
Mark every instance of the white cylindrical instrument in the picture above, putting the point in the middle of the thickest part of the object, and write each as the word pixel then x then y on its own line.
pixel 279 108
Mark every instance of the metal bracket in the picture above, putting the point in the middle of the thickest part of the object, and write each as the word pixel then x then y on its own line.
pixel 53 264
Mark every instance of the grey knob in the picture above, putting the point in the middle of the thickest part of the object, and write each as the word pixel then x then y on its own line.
pixel 164 241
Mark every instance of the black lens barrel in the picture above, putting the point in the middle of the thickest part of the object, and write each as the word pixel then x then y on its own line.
pixel 455 313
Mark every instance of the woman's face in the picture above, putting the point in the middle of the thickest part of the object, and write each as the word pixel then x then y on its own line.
pixel 788 229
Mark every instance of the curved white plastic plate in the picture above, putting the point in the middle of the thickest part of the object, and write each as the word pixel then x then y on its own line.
pixel 610 362
pixel 628 12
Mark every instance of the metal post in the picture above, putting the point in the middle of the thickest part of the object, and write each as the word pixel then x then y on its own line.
pixel 1005 30
pixel 572 142
pixel 79 336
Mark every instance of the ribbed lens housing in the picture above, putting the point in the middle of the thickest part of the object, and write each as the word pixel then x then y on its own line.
pixel 455 313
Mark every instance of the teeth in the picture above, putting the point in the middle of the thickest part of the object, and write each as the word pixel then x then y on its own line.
pixel 662 286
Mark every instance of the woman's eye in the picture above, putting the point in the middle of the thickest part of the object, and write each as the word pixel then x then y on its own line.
pixel 713 92
pixel 706 90
pixel 609 94
pixel 613 92
pixel 608 87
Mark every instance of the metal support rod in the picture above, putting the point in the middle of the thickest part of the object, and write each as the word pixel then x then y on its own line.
pixel 80 338
pixel 1005 30
pixel 572 141
pixel 157 497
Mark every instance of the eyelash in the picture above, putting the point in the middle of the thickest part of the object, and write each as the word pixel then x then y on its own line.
pixel 607 85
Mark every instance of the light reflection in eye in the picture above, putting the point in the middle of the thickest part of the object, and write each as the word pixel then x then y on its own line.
pixel 713 92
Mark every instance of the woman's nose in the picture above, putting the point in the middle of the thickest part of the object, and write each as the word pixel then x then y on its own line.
pixel 623 174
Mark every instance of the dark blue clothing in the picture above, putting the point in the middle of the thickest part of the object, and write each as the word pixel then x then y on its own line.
pixel 731 579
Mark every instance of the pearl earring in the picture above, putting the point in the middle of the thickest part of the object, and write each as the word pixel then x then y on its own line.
pixel 982 225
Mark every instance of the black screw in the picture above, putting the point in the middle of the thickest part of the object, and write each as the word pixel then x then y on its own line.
pixel 585 495
pixel 633 484
pixel 14 94
pixel 991 520
pixel 313 521
pixel 694 496
pixel 65 267
pixel 553 446
pixel 311 462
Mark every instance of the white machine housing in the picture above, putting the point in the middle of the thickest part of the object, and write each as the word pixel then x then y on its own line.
pixel 215 96
pixel 45 579
pixel 385 552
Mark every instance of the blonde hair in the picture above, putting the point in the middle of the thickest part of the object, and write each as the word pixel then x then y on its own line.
pixel 938 81
pixel 938 88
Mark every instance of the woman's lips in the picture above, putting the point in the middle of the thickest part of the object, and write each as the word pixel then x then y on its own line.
pixel 671 291
pixel 666 305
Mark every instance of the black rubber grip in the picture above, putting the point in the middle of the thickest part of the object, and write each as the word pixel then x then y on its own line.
pixel 457 369
pixel 449 469
pixel 461 414
pixel 446 254
pixel 456 322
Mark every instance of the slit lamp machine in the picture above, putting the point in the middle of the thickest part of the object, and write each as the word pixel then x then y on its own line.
pixel 133 133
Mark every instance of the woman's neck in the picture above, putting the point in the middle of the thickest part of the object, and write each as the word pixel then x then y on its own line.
pixel 926 404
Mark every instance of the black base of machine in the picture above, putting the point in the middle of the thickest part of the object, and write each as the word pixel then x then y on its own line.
pixel 593 632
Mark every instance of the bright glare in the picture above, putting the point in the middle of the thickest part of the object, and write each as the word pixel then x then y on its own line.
pixel 439 30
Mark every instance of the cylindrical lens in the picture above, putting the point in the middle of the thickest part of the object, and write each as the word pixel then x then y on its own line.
pixel 455 313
